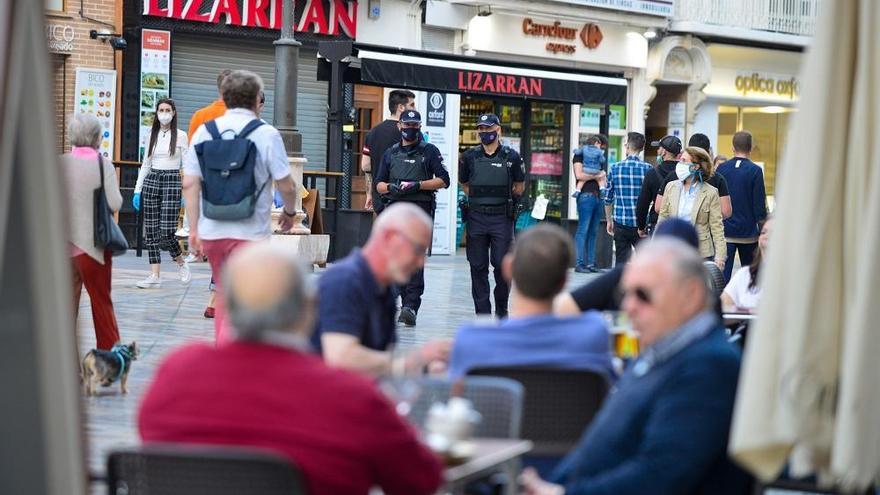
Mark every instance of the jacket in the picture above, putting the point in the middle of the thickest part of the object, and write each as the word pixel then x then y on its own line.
pixel 706 217
pixel 81 172
pixel 664 432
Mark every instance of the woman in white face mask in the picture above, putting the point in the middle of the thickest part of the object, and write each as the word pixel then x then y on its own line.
pixel 158 191
pixel 692 198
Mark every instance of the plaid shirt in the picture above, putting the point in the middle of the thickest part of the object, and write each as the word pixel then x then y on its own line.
pixel 624 184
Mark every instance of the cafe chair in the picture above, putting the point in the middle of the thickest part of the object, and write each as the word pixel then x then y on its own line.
pixel 166 469
pixel 498 400
pixel 714 277
pixel 559 404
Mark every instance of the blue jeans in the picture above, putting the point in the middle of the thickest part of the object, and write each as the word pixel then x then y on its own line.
pixel 589 211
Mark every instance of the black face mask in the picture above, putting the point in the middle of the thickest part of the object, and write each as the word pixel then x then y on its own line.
pixel 409 133
pixel 488 138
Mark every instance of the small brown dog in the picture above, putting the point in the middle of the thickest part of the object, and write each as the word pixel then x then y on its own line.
pixel 105 367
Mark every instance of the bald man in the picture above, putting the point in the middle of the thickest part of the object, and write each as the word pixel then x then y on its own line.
pixel 357 299
pixel 664 431
pixel 265 389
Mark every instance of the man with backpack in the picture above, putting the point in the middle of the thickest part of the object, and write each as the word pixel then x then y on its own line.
pixel 227 180
pixel 411 171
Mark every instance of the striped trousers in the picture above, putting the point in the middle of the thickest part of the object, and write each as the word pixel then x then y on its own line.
pixel 161 201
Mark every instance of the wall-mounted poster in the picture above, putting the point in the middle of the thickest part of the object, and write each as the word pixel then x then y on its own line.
pixel 95 93
pixel 155 78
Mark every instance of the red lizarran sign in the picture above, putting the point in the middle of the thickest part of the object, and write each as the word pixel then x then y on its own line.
pixel 328 17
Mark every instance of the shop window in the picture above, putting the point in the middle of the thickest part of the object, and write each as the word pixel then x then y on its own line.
pixel 55 5
pixel 768 125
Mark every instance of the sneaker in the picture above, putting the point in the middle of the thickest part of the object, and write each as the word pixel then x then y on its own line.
pixel 582 269
pixel 182 233
pixel 407 317
pixel 191 258
pixel 592 269
pixel 209 312
pixel 151 282
pixel 184 272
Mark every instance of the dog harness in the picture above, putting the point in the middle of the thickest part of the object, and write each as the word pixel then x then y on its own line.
pixel 121 352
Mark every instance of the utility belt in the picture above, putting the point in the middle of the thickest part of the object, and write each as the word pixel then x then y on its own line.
pixel 491 210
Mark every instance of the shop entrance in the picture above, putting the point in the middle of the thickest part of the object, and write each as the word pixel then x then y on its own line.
pixel 537 131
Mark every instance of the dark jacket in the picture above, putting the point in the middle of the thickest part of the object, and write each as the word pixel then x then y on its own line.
pixel 745 180
pixel 663 433
pixel 650 186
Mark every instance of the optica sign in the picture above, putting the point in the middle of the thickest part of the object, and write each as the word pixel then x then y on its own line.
pixel 328 17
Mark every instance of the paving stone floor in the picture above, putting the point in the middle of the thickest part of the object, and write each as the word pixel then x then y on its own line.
pixel 163 319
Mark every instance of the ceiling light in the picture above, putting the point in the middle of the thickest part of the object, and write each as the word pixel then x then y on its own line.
pixel 772 109
pixel 650 34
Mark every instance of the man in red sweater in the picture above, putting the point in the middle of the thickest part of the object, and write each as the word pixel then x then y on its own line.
pixel 265 389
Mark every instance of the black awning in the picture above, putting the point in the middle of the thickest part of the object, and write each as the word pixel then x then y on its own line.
pixel 478 77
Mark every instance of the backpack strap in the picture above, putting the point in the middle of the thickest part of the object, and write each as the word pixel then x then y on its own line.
pixel 212 129
pixel 249 128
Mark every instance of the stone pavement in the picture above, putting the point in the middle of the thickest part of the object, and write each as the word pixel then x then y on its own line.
pixel 163 319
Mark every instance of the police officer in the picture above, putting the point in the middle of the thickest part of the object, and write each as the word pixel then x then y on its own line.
pixel 492 176
pixel 411 171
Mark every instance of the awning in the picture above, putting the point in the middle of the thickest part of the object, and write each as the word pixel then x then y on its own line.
pixel 450 75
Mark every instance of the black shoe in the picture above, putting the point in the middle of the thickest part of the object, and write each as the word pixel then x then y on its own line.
pixel 501 316
pixel 592 269
pixel 580 269
pixel 407 317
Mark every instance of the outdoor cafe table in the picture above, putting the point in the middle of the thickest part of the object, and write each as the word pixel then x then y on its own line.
pixel 491 456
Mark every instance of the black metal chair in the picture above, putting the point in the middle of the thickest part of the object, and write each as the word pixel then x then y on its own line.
pixel 498 400
pixel 559 404
pixel 168 469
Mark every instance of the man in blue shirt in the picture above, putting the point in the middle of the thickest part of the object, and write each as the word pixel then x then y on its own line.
pixel 745 181
pixel 532 335
pixel 622 196
pixel 357 298
pixel 410 172
pixel 664 429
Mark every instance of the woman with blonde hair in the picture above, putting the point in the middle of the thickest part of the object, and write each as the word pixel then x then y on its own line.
pixel 690 197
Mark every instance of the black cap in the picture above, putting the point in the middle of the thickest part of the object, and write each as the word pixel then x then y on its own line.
pixel 488 120
pixel 700 141
pixel 670 143
pixel 410 116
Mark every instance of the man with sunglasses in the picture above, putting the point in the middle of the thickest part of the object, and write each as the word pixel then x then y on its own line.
pixel 357 297
pixel 410 172
pixel 664 430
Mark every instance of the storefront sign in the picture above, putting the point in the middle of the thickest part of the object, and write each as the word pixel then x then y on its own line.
pixel 436 116
pixel 60 38
pixel 328 17
pixel 155 79
pixel 749 83
pixel 95 93
pixel 662 8
pixel 406 73
pixel 590 35
pixel 443 136
pixel 677 114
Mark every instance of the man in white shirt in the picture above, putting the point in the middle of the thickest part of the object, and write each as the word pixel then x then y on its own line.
pixel 217 239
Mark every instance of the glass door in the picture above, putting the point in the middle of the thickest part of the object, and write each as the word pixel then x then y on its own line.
pixel 547 160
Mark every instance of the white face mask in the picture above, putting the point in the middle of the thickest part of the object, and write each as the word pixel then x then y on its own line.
pixel 682 170
pixel 165 118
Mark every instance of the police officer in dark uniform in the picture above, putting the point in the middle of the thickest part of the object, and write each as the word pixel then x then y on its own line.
pixel 411 171
pixel 492 176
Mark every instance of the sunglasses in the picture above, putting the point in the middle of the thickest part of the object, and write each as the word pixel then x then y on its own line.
pixel 641 294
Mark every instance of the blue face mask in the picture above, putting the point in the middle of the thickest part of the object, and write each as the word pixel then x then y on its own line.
pixel 409 133
pixel 488 138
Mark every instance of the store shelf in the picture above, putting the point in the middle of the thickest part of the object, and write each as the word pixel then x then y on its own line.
pixel 546 150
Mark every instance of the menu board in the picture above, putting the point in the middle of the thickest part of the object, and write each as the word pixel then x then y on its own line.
pixel 95 93
pixel 155 78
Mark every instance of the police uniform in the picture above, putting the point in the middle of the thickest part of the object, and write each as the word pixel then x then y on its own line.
pixel 417 162
pixel 490 180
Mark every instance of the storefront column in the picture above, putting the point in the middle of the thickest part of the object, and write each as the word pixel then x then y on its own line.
pixel 639 95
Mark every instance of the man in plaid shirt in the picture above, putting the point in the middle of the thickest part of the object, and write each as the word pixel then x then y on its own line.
pixel 622 194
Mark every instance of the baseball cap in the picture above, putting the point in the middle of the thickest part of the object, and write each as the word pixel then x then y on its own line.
pixel 411 116
pixel 679 229
pixel 488 120
pixel 670 143
pixel 700 141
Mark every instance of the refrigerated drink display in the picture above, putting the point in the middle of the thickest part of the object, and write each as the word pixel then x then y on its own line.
pixel 547 163
pixel 471 109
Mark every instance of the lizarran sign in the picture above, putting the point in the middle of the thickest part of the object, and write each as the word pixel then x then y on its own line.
pixel 327 17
